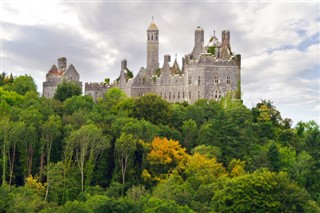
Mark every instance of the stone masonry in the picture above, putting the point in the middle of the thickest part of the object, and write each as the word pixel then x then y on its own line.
pixel 57 75
pixel 209 72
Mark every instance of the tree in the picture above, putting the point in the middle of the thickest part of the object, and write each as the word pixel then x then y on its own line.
pixel 274 158
pixel 261 191
pixel 85 145
pixel 189 129
pixel 66 90
pixel 16 136
pixel 152 108
pixel 5 128
pixel 125 147
pixel 166 156
pixel 23 84
pixel 50 132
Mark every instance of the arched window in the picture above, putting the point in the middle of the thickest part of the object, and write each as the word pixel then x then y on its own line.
pixel 228 79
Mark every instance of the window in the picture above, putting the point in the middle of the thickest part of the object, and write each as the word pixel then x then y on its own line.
pixel 178 95
pixel 174 95
pixel 183 94
pixel 189 94
pixel 169 95
pixel 189 79
pixel 216 79
pixel 165 95
pixel 228 79
pixel 198 94
pixel 199 80
pixel 216 95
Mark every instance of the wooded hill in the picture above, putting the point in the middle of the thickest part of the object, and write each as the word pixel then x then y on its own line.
pixel 70 154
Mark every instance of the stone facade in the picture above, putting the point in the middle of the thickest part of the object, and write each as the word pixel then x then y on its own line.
pixel 96 90
pixel 208 72
pixel 57 75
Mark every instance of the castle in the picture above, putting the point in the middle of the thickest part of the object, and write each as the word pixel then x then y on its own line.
pixel 209 72
pixel 57 75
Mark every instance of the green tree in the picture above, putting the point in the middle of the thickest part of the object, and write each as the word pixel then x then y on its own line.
pixel 274 158
pixel 189 129
pixel 66 90
pixel 152 108
pixel 51 130
pixel 125 147
pixel 85 145
pixel 23 84
pixel 261 191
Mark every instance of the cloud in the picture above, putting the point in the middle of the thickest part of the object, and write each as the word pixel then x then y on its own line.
pixel 279 42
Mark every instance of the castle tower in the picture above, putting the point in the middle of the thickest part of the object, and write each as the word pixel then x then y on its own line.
pixel 198 42
pixel 152 47
pixel 62 63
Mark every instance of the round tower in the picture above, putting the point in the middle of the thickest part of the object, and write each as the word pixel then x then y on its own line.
pixel 152 47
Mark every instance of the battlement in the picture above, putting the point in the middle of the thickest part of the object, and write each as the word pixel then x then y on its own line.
pixel 93 86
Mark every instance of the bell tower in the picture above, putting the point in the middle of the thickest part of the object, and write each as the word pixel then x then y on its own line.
pixel 152 47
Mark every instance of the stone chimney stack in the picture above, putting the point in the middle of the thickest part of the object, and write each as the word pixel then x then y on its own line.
pixel 62 63
pixel 123 64
pixel 198 42
pixel 225 38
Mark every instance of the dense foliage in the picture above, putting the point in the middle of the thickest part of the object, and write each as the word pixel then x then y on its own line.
pixel 70 154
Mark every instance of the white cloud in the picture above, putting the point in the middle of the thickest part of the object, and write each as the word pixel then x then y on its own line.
pixel 280 61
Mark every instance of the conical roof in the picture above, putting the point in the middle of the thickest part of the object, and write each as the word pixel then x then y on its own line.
pixel 153 26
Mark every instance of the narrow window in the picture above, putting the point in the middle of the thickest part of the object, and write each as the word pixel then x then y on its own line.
pixel 165 95
pixel 183 94
pixel 178 95
pixel 198 94
pixel 169 95
pixel 174 95
pixel 216 95
pixel 190 94
pixel 189 79
pixel 228 79
pixel 216 79
pixel 199 80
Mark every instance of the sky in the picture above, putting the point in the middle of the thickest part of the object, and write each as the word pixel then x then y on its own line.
pixel 279 42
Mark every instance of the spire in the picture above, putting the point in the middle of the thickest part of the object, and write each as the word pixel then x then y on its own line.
pixel 152 25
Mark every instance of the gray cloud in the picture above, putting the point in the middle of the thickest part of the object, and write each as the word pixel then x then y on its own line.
pixel 278 43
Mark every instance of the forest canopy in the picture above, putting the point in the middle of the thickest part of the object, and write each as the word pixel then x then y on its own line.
pixel 121 154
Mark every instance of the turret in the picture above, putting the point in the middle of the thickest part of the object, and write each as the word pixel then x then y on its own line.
pixel 62 63
pixel 198 42
pixel 152 48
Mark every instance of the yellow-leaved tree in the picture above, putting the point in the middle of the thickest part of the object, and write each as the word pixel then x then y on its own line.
pixel 165 156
